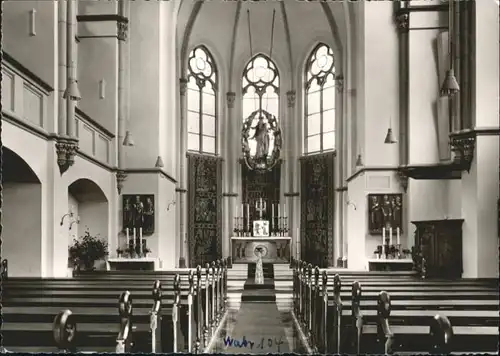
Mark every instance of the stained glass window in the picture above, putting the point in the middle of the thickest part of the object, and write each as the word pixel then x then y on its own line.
pixel 319 125
pixel 202 102
pixel 260 88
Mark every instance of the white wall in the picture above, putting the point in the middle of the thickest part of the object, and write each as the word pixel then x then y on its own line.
pixel 22 227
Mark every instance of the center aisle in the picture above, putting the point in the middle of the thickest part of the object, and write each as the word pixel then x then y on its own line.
pixel 258 327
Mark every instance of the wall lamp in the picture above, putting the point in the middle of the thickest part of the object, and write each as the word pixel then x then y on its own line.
pixel 71 215
pixel 172 203
pixel 351 203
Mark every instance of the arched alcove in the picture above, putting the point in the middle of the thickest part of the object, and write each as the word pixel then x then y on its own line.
pixel 89 207
pixel 22 216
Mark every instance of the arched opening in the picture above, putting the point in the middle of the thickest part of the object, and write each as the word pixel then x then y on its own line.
pixel 22 217
pixel 87 212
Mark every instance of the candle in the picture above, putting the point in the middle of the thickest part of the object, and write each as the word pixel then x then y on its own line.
pixel 284 210
pixel 390 236
pixel 133 244
pixel 398 236
pixel 297 242
pixel 383 236
pixel 279 215
pixel 248 213
pixel 272 217
pixel 241 210
pixel 140 241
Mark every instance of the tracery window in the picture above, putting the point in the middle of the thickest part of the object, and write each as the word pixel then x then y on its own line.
pixel 319 125
pixel 202 102
pixel 260 89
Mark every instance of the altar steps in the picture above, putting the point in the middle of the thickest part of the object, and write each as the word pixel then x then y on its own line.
pixel 238 276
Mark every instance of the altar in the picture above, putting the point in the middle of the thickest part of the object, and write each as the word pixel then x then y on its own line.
pixel 274 249
pixel 259 237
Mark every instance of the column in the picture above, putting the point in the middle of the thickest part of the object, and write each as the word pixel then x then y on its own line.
pixel 338 180
pixel 62 28
pixel 231 161
pixel 181 189
pixel 292 172
pixel 480 188
pixel 402 24
pixel 71 67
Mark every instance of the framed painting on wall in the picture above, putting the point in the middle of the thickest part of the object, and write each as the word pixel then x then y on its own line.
pixel 384 210
pixel 139 211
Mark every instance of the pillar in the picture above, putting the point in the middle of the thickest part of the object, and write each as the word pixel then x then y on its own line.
pixel 293 172
pixel 480 188
pixel 62 66
pixel 182 182
pixel 231 161
pixel 338 180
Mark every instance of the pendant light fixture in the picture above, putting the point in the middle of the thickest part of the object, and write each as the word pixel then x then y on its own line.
pixel 450 85
pixel 389 137
pixel 128 140
pixel 359 161
pixel 159 162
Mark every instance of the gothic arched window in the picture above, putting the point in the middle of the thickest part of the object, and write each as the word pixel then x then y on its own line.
pixel 202 102
pixel 260 86
pixel 319 125
pixel 260 89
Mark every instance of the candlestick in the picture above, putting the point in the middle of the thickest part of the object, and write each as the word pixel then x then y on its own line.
pixel 390 236
pixel 134 243
pixel 127 236
pixel 140 241
pixel 297 242
pixel 248 219
pixel 272 219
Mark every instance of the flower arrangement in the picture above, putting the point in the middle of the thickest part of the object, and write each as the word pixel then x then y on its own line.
pixel 88 249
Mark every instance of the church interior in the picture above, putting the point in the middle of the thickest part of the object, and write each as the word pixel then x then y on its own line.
pixel 316 177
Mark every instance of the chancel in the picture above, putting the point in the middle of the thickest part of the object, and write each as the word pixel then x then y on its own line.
pixel 310 177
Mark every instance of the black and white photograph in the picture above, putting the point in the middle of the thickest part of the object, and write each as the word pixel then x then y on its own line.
pixel 305 177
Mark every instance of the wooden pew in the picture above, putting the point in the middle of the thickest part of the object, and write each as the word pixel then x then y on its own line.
pixel 96 297
pixel 414 304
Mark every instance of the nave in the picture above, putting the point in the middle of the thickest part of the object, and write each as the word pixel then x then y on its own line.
pixel 222 309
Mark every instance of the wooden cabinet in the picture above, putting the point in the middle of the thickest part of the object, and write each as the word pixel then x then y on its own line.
pixel 440 242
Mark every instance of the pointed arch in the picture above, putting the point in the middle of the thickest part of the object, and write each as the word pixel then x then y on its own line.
pixel 319 105
pixel 260 86
pixel 202 94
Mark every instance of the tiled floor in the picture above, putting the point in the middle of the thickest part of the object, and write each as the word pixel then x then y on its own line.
pixel 258 328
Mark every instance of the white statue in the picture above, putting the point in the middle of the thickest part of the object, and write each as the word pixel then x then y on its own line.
pixel 259 273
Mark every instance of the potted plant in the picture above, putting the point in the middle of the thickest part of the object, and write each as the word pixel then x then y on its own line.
pixel 119 252
pixel 87 250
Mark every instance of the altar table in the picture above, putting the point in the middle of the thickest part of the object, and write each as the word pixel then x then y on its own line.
pixel 275 249
pixel 140 263
pixel 403 264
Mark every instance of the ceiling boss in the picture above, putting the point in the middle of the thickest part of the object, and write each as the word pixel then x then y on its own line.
pixel 261 138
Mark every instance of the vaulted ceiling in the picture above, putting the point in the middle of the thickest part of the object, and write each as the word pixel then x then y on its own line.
pixel 223 27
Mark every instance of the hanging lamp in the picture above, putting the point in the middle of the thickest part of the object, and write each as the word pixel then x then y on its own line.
pixel 389 137
pixel 450 85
